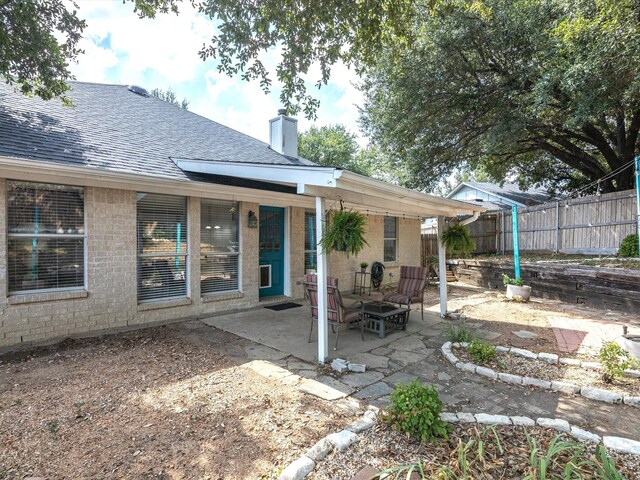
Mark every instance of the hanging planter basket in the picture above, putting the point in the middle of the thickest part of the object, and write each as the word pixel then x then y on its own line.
pixel 457 240
pixel 344 232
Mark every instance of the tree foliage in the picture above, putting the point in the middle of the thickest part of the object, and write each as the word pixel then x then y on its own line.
pixel 307 32
pixel 32 56
pixel 171 97
pixel 538 89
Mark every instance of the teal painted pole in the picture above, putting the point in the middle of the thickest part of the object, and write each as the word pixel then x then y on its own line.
pixel 516 249
pixel 178 232
pixel 638 198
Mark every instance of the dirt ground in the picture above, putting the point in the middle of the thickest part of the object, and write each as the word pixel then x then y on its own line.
pixel 149 404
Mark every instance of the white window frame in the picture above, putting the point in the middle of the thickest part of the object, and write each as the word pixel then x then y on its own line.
pixel 313 226
pixel 83 236
pixel 394 238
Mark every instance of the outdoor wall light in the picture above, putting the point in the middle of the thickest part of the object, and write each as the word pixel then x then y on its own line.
pixel 253 220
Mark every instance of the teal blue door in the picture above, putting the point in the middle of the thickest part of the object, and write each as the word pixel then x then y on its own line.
pixel 271 237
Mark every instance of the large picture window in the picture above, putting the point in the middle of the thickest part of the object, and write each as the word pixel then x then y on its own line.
pixel 219 246
pixel 310 242
pixel 162 247
pixel 390 239
pixel 46 237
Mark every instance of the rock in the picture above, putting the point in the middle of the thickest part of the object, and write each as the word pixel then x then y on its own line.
pixel 555 423
pixel 633 401
pixel 443 377
pixel 551 358
pixel 564 387
pixel 523 421
pixel 467 367
pixel 298 469
pixel 320 450
pixel 376 390
pixel 367 473
pixel 487 372
pixel 464 344
pixel 620 444
pixel 451 358
pixel 342 440
pixel 446 347
pixel 486 419
pixel 510 378
pixel 591 365
pixel 371 415
pixel 340 365
pixel 360 425
pixel 466 417
pixel 448 417
pixel 601 395
pixel 520 352
pixel 574 362
pixel 356 367
pixel 525 334
pixel 536 382
pixel 370 360
pixel 487 334
pixel 400 377
pixel 632 373
pixel 324 390
pixel 583 435
pixel 502 349
pixel 408 344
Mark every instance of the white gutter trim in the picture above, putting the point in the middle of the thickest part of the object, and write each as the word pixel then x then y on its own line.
pixel 473 218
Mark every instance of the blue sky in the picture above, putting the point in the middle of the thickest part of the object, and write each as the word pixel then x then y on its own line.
pixel 163 52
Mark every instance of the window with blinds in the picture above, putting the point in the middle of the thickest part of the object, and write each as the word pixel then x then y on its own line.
pixel 310 242
pixel 219 246
pixel 390 239
pixel 162 247
pixel 46 237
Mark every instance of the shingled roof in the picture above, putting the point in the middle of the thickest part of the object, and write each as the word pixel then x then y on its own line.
pixel 109 127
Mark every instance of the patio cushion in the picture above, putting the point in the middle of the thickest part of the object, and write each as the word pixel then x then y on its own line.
pixel 399 298
pixel 412 280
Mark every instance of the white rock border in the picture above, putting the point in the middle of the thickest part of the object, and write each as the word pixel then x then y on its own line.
pixel 597 394
pixel 342 440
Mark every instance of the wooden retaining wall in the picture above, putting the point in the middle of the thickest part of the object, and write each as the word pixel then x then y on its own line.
pixel 597 287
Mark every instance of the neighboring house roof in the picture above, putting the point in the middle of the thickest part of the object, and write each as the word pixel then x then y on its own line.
pixel 110 127
pixel 510 192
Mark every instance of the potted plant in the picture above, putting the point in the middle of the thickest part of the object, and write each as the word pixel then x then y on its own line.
pixel 344 232
pixel 457 240
pixel 515 287
pixel 363 266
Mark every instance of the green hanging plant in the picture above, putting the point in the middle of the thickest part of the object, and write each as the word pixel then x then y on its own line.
pixel 344 232
pixel 457 240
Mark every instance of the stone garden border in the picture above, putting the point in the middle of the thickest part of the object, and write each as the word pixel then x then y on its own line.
pixel 341 441
pixel 555 386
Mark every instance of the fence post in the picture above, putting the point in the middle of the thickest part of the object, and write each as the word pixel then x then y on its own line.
pixel 557 224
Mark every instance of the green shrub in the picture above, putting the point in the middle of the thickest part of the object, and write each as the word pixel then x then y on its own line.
pixel 629 246
pixel 344 232
pixel 481 351
pixel 458 333
pixel 615 360
pixel 415 410
pixel 511 281
pixel 457 240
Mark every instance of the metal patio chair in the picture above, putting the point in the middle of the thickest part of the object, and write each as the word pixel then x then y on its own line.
pixel 338 313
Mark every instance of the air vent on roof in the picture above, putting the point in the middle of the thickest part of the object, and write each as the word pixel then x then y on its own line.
pixel 138 90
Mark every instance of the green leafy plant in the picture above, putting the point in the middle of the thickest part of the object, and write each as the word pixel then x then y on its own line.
pixel 53 427
pixel 605 466
pixel 457 240
pixel 364 265
pixel 615 360
pixel 481 351
pixel 458 333
pixel 541 461
pixel 344 232
pixel 415 410
pixel 629 246
pixel 507 280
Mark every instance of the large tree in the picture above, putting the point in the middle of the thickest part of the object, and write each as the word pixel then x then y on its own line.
pixel 545 90
pixel 170 96
pixel 38 39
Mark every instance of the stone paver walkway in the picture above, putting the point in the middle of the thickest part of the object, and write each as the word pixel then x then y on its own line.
pixel 405 358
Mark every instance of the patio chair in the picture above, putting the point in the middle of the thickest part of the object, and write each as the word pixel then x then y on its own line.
pixel 410 289
pixel 338 313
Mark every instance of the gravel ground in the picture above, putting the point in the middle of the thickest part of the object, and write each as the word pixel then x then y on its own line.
pixel 383 448
pixel 508 363
pixel 149 404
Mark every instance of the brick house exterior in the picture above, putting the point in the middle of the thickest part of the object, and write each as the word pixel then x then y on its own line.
pixel 115 146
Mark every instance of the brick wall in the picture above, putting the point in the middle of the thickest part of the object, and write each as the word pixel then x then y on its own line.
pixel 110 299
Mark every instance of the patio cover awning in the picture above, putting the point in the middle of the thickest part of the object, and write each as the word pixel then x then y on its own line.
pixel 360 193
pixel 332 183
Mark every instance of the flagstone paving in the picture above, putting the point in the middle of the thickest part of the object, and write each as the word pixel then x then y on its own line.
pixel 418 356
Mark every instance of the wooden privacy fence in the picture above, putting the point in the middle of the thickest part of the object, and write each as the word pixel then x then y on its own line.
pixel 587 225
